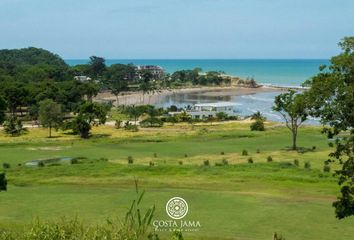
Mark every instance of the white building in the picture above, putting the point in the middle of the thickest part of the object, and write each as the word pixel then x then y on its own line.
pixel 82 78
pixel 208 110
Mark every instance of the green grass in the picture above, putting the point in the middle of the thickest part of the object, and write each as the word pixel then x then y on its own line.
pixel 237 201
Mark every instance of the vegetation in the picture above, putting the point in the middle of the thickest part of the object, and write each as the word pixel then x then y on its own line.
pixel 331 95
pixel 3 182
pixel 258 125
pixel 293 107
pixel 89 114
pixel 50 114
pixel 256 191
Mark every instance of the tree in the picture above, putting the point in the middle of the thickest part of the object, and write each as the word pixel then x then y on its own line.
pixel 3 182
pixel 292 107
pixel 89 114
pixel 147 83
pixel 97 66
pixel 258 116
pixel 15 96
pixel 258 125
pixel 2 110
pixel 13 126
pixel 331 95
pixel 50 114
pixel 89 89
pixel 117 78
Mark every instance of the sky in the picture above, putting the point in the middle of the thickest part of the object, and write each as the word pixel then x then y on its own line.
pixel 178 29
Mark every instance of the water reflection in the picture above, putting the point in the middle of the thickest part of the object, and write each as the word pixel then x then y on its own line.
pixel 245 104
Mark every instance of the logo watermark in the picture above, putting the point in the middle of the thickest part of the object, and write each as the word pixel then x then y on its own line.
pixel 177 209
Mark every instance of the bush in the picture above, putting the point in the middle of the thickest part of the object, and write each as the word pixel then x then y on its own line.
pixel 3 182
pixel 180 162
pixel 206 163
pixel 250 160
pixel 313 147
pixel 103 159
pixel 326 168
pixel 296 162
pixel 258 125
pixel 74 161
pixel 41 164
pixel 224 161
pixel 151 122
pixel 131 127
pixel 221 116
pixel 13 126
pixel 217 164
pixel 222 153
pixel 151 164
pixel 130 160
pixel 118 123
pixel 269 159
pixel 185 155
pixel 307 165
pixel 258 150
pixel 6 165
pixel 244 152
pixel 155 155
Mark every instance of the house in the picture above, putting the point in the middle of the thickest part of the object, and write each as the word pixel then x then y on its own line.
pixel 82 78
pixel 208 110
pixel 156 71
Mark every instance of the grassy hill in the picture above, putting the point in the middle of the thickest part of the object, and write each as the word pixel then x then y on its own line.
pixel 237 200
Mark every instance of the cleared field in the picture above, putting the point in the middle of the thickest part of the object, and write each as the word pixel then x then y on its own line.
pixel 234 201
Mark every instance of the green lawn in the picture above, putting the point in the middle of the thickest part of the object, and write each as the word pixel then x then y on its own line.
pixel 236 201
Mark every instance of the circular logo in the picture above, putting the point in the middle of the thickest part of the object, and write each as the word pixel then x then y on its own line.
pixel 177 208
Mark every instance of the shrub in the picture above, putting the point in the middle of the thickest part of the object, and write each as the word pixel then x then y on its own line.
pixel 278 236
pixel 130 160
pixel 118 124
pixel 151 122
pixel 3 182
pixel 13 126
pixel 307 165
pixel 296 162
pixel 41 164
pixel 258 125
pixel 217 164
pixel 151 164
pixel 155 155
pixel 180 162
pixel 222 153
pixel 250 160
pixel 326 167
pixel 131 127
pixel 177 235
pixel 6 165
pixel 269 159
pixel 313 147
pixel 224 161
pixel 258 150
pixel 74 161
pixel 185 155
pixel 206 163
pixel 244 152
pixel 221 116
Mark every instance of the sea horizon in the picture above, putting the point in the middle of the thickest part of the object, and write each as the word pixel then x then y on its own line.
pixel 279 72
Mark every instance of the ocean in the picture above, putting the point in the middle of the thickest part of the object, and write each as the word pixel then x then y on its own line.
pixel 285 72
pixel 280 72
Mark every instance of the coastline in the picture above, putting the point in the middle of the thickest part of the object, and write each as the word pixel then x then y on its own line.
pixel 138 98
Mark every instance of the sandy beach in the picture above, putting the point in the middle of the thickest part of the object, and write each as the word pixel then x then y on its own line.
pixel 137 98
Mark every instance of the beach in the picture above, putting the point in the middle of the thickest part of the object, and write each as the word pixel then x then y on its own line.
pixel 138 98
